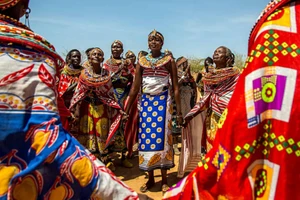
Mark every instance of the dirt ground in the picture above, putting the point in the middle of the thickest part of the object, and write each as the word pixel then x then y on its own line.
pixel 135 178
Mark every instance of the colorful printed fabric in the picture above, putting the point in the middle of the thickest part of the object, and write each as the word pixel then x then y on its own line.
pixel 94 90
pixel 67 83
pixel 39 159
pixel 257 148
pixel 121 74
pixel 155 136
pixel 218 89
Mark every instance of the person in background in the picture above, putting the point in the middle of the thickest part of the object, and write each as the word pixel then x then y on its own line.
pixel 199 134
pixel 122 79
pixel 132 57
pixel 40 159
pixel 208 66
pixel 68 81
pixel 131 127
pixel 153 73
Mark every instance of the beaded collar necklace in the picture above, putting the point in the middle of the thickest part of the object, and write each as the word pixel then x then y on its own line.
pixel 152 60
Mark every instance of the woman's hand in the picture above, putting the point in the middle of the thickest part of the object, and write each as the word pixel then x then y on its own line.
pixel 124 115
pixel 124 118
pixel 187 120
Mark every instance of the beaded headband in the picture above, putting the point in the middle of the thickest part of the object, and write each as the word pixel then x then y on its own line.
pixel 117 42
pixel 5 4
pixel 156 33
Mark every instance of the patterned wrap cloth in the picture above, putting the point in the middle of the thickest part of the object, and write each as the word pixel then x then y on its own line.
pixel 257 147
pixel 122 72
pixel 155 137
pixel 38 158
pixel 67 84
pixel 97 109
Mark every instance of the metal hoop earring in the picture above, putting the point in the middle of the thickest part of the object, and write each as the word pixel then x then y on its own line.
pixel 28 11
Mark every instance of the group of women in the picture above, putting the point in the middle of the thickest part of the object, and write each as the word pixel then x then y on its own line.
pixel 102 98
pixel 103 101
pixel 107 106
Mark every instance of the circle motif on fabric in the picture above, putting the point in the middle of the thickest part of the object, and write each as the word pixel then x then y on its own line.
pixel 162 97
pixel 268 92
pixel 143 125
pixel 148 130
pixel 153 124
pixel 160 108
pixel 148 141
pixel 149 119
pixel 143 136
pixel 144 114
pixel 159 119
pixel 149 108
pixel 155 103
pixel 154 114
pixel 158 140
pixel 153 135
pixel 146 103
pixel 151 98
pixel 159 130
pixel 143 146
pixel 140 130
pixel 153 146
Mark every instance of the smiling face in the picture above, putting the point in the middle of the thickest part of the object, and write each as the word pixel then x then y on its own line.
pixel 96 57
pixel 116 50
pixel 75 58
pixel 220 58
pixel 155 43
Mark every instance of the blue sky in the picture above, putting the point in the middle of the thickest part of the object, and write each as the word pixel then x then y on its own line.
pixel 190 27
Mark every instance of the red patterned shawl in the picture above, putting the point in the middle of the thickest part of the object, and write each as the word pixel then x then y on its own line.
pixel 257 148
pixel 104 91
pixel 218 89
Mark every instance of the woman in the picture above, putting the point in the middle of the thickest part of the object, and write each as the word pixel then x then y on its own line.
pixel 121 78
pixel 131 127
pixel 187 85
pixel 69 76
pixel 39 159
pixel 96 108
pixel 153 73
pixel 87 52
pixel 68 81
pixel 120 74
pixel 188 95
pixel 131 56
pixel 219 85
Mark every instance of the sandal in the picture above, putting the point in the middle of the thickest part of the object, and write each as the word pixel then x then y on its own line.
pixel 111 166
pixel 165 188
pixel 144 188
pixel 127 164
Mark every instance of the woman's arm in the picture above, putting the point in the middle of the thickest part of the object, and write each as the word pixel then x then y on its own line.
pixel 135 87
